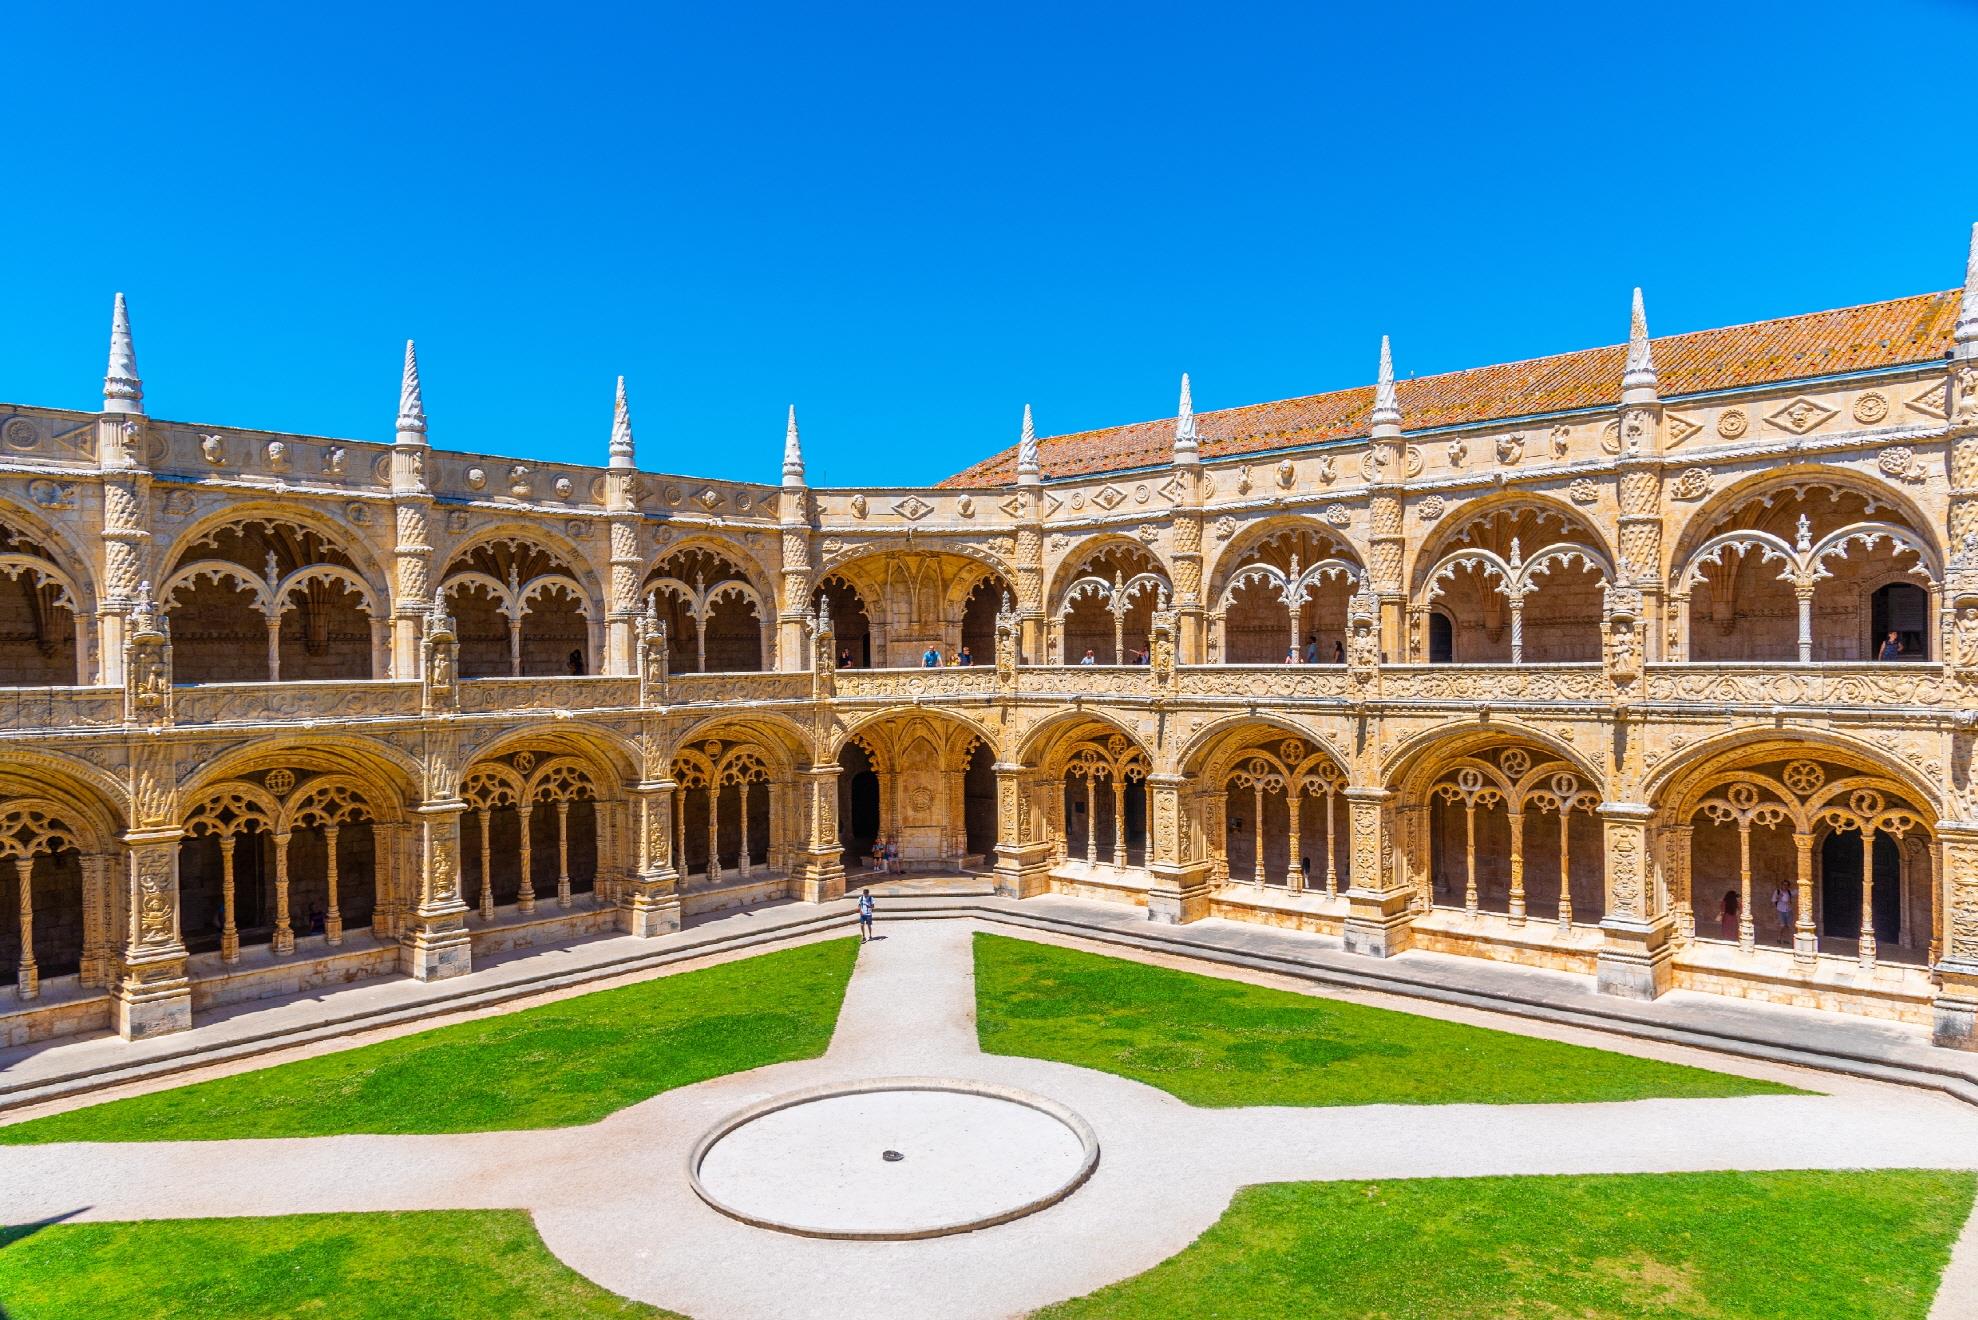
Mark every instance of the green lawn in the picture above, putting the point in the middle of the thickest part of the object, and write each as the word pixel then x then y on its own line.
pixel 557 1065
pixel 427 1265
pixel 1215 1043
pixel 1704 1246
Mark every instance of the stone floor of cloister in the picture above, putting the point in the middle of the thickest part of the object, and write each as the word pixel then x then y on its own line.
pixel 611 1200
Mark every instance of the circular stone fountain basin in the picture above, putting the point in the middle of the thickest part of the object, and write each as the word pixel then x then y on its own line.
pixel 894 1158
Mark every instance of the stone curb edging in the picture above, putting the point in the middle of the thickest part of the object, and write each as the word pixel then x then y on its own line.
pixel 1609 1018
pixel 1592 1017
pixel 1088 1141
pixel 18 1095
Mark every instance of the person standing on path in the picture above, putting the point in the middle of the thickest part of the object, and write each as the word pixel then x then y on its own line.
pixel 865 915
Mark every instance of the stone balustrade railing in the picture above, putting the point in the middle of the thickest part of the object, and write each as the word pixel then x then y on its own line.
pixel 692 689
pixel 571 692
pixel 259 703
pixel 41 708
pixel 1910 684
pixel 1864 686
pixel 906 684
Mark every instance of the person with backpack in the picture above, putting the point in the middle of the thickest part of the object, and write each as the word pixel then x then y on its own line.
pixel 865 915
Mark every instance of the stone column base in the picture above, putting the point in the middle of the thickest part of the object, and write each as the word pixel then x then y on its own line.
pixel 649 907
pixel 1378 924
pixel 152 999
pixel 1636 959
pixel 436 950
pixel 820 877
pixel 1023 872
pixel 1954 1023
pixel 1179 894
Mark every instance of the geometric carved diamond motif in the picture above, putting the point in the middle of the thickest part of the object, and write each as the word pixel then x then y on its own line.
pixel 1801 415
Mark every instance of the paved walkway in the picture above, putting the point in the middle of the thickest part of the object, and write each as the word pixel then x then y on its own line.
pixel 612 1201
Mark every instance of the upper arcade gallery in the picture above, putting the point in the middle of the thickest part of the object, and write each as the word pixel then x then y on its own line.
pixel 1652 662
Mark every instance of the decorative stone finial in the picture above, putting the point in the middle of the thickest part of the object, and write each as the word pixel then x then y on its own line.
pixel 793 452
pixel 1027 471
pixel 621 429
pixel 1639 384
pixel 411 406
pixel 1186 447
pixel 1387 403
pixel 123 392
pixel 1967 310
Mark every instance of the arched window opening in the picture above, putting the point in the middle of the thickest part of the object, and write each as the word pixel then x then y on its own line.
pixel 1286 600
pixel 268 601
pixel 850 625
pixel 714 615
pixel 1107 610
pixel 41 639
pixel 1791 575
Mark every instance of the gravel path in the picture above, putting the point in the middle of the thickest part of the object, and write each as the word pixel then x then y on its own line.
pixel 612 1200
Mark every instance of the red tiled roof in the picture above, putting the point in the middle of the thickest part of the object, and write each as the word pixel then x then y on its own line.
pixel 1885 334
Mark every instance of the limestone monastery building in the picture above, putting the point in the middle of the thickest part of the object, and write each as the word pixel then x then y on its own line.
pixel 1592 673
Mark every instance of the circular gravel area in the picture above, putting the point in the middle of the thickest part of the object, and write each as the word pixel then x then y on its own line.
pixel 897 1158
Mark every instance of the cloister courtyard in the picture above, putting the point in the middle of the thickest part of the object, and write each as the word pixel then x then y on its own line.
pixel 1502 842
pixel 991 1109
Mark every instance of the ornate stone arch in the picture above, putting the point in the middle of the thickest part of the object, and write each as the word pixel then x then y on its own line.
pixel 1697 527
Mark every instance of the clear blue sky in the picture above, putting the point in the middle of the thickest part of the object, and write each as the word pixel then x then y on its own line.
pixel 910 221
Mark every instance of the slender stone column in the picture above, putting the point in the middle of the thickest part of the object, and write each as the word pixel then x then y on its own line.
pixel 487 865
pixel 1865 950
pixel 525 889
pixel 1257 834
pixel 1470 856
pixel 332 917
pixel 713 834
pixel 153 994
pixel 284 937
pixel 95 968
pixel 229 930
pixel 1119 823
pixel 1294 872
pixel 1517 898
pixel 1566 867
pixel 1747 928
pixel 743 865
pixel 563 899
pixel 1332 858
pixel 29 985
pixel 1091 821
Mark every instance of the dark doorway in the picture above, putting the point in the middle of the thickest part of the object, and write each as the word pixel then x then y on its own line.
pixel 1840 887
pixel 858 806
pixel 1902 608
pixel 1442 639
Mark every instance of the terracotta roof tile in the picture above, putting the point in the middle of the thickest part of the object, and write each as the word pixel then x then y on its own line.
pixel 1895 333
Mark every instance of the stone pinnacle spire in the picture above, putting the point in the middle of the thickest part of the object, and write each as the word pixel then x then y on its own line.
pixel 411 406
pixel 793 452
pixel 1186 449
pixel 1387 404
pixel 621 429
pixel 1639 383
pixel 123 392
pixel 1027 471
pixel 1967 310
